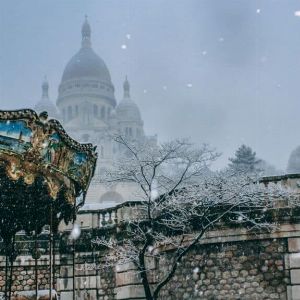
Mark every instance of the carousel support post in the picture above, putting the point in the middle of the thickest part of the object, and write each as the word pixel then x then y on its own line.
pixel 50 253
pixel 73 248
pixel 12 255
pixel 53 262
pixel 35 267
pixel 73 256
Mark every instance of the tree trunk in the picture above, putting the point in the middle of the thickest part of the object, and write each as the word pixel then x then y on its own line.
pixel 12 256
pixel 146 286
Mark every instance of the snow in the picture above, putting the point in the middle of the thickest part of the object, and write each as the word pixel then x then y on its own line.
pixel 75 233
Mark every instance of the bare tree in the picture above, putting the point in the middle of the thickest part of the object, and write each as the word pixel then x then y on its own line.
pixel 182 200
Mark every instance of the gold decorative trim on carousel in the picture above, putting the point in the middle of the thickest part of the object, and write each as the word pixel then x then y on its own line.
pixel 32 146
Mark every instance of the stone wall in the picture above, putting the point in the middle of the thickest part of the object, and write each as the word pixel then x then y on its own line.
pixel 92 280
pixel 24 274
pixel 228 264
pixel 265 268
pixel 243 270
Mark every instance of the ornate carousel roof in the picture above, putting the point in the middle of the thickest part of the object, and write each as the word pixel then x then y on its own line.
pixel 40 165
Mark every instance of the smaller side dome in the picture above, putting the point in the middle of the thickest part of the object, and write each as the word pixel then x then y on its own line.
pixel 45 104
pixel 127 110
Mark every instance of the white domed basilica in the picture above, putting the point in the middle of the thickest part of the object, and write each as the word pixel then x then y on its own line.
pixel 89 112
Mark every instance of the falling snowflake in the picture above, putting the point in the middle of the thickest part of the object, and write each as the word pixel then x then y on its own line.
pixel 297 13
pixel 221 40
pixel 204 53
pixel 165 88
pixel 189 85
pixel 75 233
pixel 196 270
pixel 240 218
pixel 150 249
pixel 128 36
pixel 258 11
pixel 145 91
pixel 124 47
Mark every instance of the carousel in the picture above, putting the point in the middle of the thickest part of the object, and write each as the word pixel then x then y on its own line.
pixel 44 178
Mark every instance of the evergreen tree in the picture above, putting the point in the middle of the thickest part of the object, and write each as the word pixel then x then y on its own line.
pixel 245 160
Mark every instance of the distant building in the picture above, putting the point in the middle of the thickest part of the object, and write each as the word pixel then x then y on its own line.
pixel 87 107
pixel 294 162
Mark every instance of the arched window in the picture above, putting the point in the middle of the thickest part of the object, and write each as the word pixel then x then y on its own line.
pixel 103 112
pixel 95 110
pixel 70 112
pixel 64 114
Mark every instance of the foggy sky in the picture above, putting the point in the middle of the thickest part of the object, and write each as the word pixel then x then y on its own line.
pixel 221 72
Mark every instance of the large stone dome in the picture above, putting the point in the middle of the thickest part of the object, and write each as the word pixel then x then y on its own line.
pixel 86 75
pixel 86 63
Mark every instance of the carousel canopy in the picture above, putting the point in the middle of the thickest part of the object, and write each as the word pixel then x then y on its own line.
pixel 40 166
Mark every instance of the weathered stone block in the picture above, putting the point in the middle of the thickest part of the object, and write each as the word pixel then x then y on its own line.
pixel 294 244
pixel 295 277
pixel 130 292
pixel 64 284
pixel 125 267
pixel 294 260
pixel 126 278
pixel 295 292
pixel 66 271
pixel 66 296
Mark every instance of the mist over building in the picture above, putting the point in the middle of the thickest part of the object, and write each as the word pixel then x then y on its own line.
pixel 87 107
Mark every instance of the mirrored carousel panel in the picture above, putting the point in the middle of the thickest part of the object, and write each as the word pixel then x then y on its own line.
pixel 39 160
